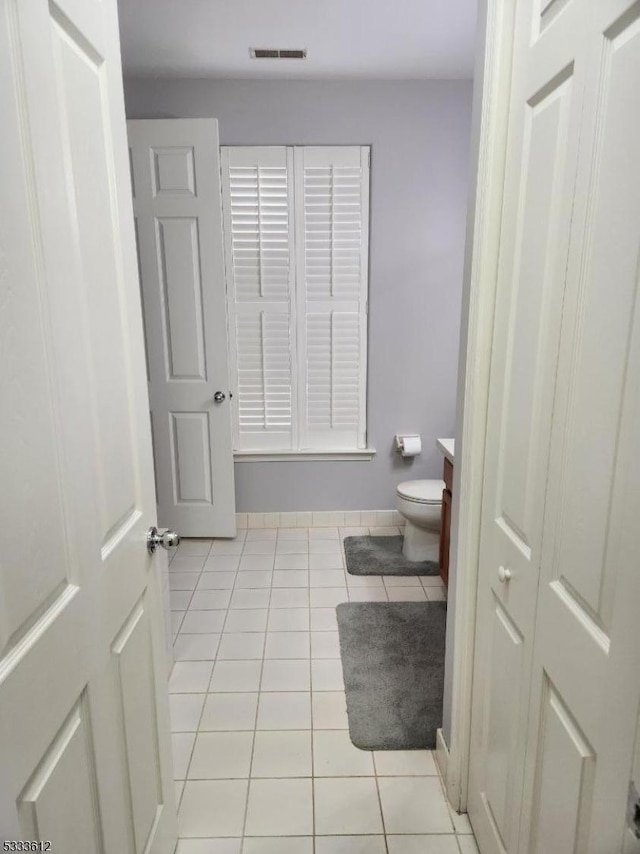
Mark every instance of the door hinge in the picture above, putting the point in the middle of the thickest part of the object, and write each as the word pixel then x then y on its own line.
pixel 633 810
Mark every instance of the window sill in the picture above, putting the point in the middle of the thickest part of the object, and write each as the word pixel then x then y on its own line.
pixel 248 456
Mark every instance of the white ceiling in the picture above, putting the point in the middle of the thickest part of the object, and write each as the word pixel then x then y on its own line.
pixel 346 39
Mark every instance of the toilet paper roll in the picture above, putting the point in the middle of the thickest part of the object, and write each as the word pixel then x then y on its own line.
pixel 411 446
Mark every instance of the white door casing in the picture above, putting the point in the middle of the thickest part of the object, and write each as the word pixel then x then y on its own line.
pixel 83 703
pixel 557 645
pixel 177 206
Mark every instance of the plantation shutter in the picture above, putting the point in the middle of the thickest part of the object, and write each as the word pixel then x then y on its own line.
pixel 332 228
pixel 296 225
pixel 257 197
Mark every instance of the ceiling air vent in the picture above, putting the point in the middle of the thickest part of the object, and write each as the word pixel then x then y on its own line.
pixel 276 53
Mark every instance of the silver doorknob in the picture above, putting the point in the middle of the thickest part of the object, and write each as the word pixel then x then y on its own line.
pixel 504 575
pixel 166 539
pixel 219 396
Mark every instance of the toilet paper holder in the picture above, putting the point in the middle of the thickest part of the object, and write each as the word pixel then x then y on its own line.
pixel 408 444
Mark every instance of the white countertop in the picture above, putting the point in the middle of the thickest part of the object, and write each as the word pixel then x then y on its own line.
pixel 447 446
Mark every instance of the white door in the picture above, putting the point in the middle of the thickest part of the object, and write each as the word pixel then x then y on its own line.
pixel 586 661
pixel 540 175
pixel 84 742
pixel 556 585
pixel 177 206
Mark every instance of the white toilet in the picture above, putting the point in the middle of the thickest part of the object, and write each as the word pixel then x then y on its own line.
pixel 420 502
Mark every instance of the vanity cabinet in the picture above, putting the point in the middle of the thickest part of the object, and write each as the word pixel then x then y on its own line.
pixel 445 535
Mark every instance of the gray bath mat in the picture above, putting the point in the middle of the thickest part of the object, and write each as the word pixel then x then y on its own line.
pixel 383 556
pixel 393 663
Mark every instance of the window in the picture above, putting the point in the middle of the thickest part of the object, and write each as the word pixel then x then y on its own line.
pixel 296 237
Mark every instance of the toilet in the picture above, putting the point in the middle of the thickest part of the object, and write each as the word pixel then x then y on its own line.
pixel 420 502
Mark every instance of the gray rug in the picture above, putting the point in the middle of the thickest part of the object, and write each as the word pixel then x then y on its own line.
pixel 393 664
pixel 383 556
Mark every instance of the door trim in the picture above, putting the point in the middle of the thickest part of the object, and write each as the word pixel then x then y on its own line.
pixel 491 95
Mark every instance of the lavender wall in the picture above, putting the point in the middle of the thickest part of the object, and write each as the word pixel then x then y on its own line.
pixel 420 135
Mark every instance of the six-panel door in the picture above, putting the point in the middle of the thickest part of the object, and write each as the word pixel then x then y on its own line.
pixel 83 705
pixel 177 203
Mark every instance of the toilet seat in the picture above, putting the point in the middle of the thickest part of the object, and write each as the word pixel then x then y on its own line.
pixel 421 491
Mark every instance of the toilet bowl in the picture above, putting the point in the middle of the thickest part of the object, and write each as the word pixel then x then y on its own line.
pixel 420 502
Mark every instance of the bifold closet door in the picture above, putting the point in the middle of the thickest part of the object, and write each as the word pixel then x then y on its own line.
pixel 556 687
pixel 177 206
pixel 542 150
pixel 84 722
pixel 586 660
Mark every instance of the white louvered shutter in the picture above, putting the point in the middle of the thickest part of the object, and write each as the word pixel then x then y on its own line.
pixel 332 230
pixel 257 197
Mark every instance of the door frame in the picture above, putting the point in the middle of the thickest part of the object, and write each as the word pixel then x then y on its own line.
pixel 491 96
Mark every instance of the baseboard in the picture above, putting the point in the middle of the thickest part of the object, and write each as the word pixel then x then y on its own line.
pixel 442 754
pixel 322 519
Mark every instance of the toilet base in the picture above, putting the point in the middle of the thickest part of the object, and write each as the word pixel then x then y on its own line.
pixel 420 544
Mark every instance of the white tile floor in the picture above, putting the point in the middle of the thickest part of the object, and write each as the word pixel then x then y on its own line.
pixel 263 759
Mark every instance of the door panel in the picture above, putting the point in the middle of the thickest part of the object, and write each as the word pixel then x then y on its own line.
pixel 190 433
pixel 534 324
pixel 564 783
pixel 179 251
pixel 177 204
pixel 76 470
pixel 173 171
pixel 601 351
pixel 503 713
pixel 132 650
pixel 59 801
pixel 81 91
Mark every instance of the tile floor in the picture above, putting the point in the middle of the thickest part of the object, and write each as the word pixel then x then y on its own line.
pixel 263 760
